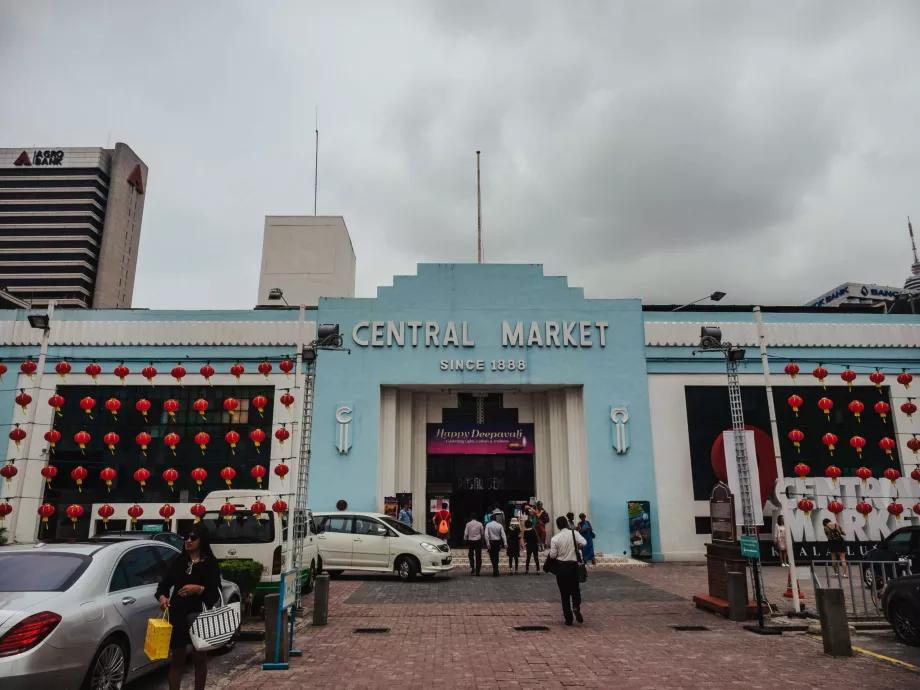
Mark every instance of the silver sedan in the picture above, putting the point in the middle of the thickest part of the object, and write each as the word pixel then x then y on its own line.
pixel 77 613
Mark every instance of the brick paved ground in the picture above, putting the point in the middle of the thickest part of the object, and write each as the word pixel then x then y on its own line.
pixel 456 632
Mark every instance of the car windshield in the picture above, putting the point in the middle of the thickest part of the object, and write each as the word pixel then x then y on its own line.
pixel 241 528
pixel 397 525
pixel 40 572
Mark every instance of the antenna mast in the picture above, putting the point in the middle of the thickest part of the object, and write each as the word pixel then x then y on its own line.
pixel 478 213
pixel 913 244
pixel 316 164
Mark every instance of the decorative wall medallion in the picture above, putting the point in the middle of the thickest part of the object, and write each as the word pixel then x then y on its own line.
pixel 343 422
pixel 620 416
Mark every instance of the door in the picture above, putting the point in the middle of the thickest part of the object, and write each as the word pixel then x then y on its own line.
pixel 336 541
pixel 371 543
pixel 131 593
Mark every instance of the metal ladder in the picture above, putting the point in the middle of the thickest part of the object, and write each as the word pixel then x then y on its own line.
pixel 299 514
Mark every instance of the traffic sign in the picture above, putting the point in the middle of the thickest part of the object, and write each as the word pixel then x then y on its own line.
pixel 750 546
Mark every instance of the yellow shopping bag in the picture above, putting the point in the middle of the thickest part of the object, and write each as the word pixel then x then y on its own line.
pixel 159 631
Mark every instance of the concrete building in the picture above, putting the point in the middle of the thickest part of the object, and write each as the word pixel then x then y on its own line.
pixel 70 224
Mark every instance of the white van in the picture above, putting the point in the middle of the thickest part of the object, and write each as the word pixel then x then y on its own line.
pixel 263 540
pixel 376 542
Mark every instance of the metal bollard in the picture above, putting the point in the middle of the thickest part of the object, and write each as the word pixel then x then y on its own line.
pixel 737 596
pixel 835 631
pixel 321 599
pixel 271 631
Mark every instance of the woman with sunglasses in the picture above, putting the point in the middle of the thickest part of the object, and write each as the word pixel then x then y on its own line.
pixel 194 580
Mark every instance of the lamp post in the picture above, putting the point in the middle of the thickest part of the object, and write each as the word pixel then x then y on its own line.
pixel 715 297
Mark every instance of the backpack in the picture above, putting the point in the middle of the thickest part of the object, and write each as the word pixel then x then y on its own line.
pixel 544 518
pixel 443 526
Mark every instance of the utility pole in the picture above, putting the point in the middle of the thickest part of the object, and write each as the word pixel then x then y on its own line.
pixel 478 213
pixel 316 163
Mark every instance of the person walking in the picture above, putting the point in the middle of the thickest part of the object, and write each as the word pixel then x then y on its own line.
pixel 441 521
pixel 498 514
pixel 405 514
pixel 193 579
pixel 586 531
pixel 542 520
pixel 779 541
pixel 836 545
pixel 570 516
pixel 514 545
pixel 496 539
pixel 565 547
pixel 474 536
pixel 532 545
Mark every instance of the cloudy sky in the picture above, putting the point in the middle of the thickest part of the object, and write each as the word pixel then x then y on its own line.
pixel 658 150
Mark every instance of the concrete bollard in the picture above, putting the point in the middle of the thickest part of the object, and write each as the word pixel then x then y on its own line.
pixel 321 599
pixel 835 630
pixel 737 596
pixel 271 631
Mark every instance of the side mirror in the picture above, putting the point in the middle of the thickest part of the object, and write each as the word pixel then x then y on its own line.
pixel 382 531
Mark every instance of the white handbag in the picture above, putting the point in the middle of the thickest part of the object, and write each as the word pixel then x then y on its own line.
pixel 215 627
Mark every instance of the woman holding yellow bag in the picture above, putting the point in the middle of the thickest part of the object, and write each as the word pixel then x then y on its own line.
pixel 194 579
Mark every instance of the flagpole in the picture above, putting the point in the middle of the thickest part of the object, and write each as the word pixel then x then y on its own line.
pixel 478 213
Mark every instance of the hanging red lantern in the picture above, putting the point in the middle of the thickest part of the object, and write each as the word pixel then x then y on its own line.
pixel 827 405
pixel 172 440
pixel 207 371
pixel 113 405
pixel 28 367
pixel 52 437
pixel 93 370
pixel 178 373
pixel 227 510
pixel 166 512
pixel 227 474
pixel 143 439
pixel 801 470
pixel 905 379
pixel 3 370
pixel 915 474
pixel 231 405
pixel 896 509
pixel 143 406
pixel 232 438
pixel 281 470
pixel 833 473
pixel 121 371
pixel 287 366
pixel 265 369
pixel 796 437
pixel 201 406
pixel 864 473
pixel 88 404
pixel 260 402
pixel 49 472
pixel 279 507
pixel 149 372
pixel 105 512
pixel 858 442
pixel 170 476
pixel 829 440
pixel 856 408
pixel 23 400
pixel 199 474
pixel 198 511
pixel 849 376
pixel 202 440
pixel 17 435
pixel 892 475
pixel 795 402
pixel 886 444
pixel 257 436
pixel 171 406
pixel 916 509
pixel 257 509
pixel 8 471
pixel 74 512
pixel 864 509
pixel 792 370
pixel 141 476
pixel 287 400
pixel 62 368
pixel 883 409
pixel 820 373
pixel 914 444
pixel 134 512
pixel 111 439
pixel 81 438
pixel 5 509
pixel 806 506
pixel 56 402
pixel 46 510
pixel 237 370
pixel 282 435
pixel 878 378
pixel 257 473
pixel 909 408
pixel 836 507
pixel 107 475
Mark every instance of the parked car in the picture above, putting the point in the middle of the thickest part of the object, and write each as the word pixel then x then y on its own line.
pixel 901 605
pixel 170 538
pixel 75 615
pixel 899 546
pixel 377 543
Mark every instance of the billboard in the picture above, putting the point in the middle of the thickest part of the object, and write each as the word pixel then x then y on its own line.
pixel 480 439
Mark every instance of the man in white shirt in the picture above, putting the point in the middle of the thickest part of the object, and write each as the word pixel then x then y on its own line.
pixel 496 539
pixel 565 547
pixel 474 536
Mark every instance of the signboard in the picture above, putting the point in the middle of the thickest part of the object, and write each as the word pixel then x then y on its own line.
pixel 640 528
pixel 480 439
pixel 750 546
pixel 721 511
pixel 152 528
pixel 290 586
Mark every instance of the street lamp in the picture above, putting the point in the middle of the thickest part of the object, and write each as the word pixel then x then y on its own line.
pixel 41 321
pixel 715 297
pixel 275 294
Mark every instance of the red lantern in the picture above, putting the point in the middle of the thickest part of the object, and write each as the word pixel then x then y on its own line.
pixel 849 376
pixel 166 512
pixel 227 510
pixel 806 506
pixel 8 472
pixel 829 440
pixel 265 369
pixel 105 512
pixel 896 509
pixel 52 437
pixel 142 406
pixel 149 373
pixel 257 436
pixel 5 509
pixel 905 379
pixel 107 475
pixel 231 405
pixel 258 472
pixel 856 408
pixel 836 507
pixel 23 399
pixel 287 366
pixel 199 474
pixel 57 402
pixel 178 372
pixel 287 400
pixel 201 406
pixel 892 475
pixel 827 405
pixel 62 368
pixel 237 370
pixel 172 440
pixel 232 438
pixel 134 512
pixel 170 476
pixel 93 370
pixel 3 370
pixel 883 409
pixel 858 442
pixel 142 475
pixel 878 378
pixel 792 369
pixel 795 402
pixel 111 439
pixel 864 509
pixel 914 444
pixel 796 437
pixel 909 408
pixel 257 509
pixel 202 440
pixel 864 473
pixel 81 438
pixel 820 373
pixel 282 435
pixel 143 439
pixel 171 406
pixel 17 435
pixel 207 371
pixel 88 404
pixel 886 444
pixel 915 474
pixel 113 405
pixel 833 473
pixel 28 368
pixel 121 371
pixel 916 508
pixel 46 510
pixel 75 512
pixel 281 470
pixel 49 472
pixel 198 511
pixel 801 470
pixel 279 507
pixel 260 402
pixel 227 474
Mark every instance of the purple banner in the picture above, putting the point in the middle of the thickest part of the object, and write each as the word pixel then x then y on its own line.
pixel 480 439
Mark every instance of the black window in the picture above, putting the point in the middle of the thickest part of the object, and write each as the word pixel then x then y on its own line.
pixel 166 555
pixel 336 523
pixel 703 525
pixel 242 528
pixel 138 567
pixel 40 572
pixel 366 525
pixel 899 542
pixel 173 540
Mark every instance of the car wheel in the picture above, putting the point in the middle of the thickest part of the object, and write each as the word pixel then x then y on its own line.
pixel 407 568
pixel 905 620
pixel 231 643
pixel 109 667
pixel 868 576
pixel 311 578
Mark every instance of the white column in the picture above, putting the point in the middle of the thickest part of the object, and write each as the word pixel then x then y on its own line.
pixel 577 445
pixel 559 463
pixel 542 458
pixel 419 460
pixel 404 441
pixel 386 465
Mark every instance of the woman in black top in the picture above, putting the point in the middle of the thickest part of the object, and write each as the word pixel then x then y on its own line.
pixel 194 579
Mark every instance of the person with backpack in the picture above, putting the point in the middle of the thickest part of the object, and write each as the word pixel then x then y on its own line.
pixel 441 521
pixel 565 558
pixel 514 545
pixel 532 545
